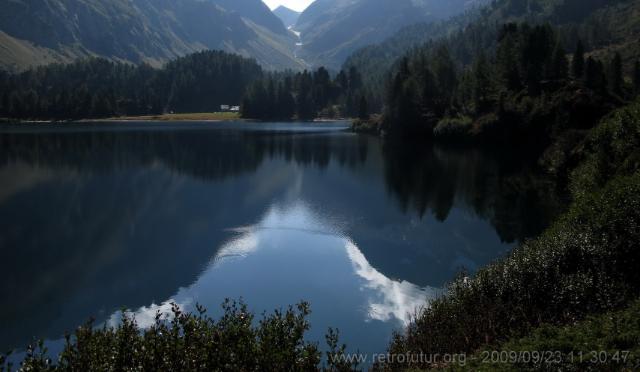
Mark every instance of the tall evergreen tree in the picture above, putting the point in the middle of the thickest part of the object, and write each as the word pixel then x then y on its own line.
pixel 445 72
pixel 286 106
pixel 507 58
pixel 364 108
pixel 594 75
pixel 481 83
pixel 559 66
pixel 636 78
pixel 304 101
pixel 616 79
pixel 578 63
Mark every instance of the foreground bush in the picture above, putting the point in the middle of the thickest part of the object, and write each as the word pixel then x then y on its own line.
pixel 605 342
pixel 612 149
pixel 586 263
pixel 195 342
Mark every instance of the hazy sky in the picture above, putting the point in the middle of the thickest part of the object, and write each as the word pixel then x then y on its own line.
pixel 298 5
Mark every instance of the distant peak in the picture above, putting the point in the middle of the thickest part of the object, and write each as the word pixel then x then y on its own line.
pixel 288 16
pixel 283 8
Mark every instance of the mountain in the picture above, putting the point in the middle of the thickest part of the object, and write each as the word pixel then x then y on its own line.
pixel 36 32
pixel 332 29
pixel 288 16
pixel 255 11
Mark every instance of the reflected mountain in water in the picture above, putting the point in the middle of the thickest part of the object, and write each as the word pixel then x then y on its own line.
pixel 95 218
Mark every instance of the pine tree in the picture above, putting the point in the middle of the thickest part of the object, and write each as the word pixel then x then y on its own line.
pixel 507 60
pixel 577 63
pixel 594 75
pixel 616 80
pixel 5 104
pixel 271 101
pixel 636 78
pixel 536 53
pixel 286 103
pixel 559 66
pixel 364 108
pixel 446 78
pixel 321 88
pixel 481 83
pixel 304 101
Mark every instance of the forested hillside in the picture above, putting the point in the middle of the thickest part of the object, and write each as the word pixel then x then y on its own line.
pixel 98 88
pixel 604 27
pixel 523 85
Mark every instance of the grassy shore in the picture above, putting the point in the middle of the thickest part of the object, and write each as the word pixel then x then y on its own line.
pixel 196 116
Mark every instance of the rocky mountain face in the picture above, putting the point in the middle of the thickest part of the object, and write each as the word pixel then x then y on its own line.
pixel 288 16
pixel 332 29
pixel 35 32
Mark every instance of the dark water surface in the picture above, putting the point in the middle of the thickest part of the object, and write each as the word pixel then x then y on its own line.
pixel 94 218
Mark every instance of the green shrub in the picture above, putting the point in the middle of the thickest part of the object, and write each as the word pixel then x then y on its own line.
pixel 609 341
pixel 194 342
pixel 612 149
pixel 372 125
pixel 453 127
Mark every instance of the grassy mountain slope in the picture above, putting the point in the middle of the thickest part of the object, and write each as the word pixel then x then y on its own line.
pixel 151 31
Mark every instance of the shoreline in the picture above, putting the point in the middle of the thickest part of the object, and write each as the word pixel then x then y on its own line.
pixel 186 117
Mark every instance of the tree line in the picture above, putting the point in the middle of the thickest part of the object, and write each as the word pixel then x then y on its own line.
pixel 98 88
pixel 597 23
pixel 306 95
pixel 201 82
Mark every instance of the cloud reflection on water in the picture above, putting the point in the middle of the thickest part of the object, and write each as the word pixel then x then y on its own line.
pixel 393 298
pixel 386 299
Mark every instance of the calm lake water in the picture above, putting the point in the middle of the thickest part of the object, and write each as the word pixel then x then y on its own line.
pixel 94 218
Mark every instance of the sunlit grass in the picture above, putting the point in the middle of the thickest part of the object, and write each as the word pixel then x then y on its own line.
pixel 196 116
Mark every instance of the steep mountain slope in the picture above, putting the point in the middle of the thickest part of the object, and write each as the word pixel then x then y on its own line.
pixel 36 32
pixel 332 29
pixel 288 16
pixel 256 11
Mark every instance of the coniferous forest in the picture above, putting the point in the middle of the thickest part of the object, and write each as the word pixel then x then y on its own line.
pixel 530 79
pixel 98 88
pixel 305 95
pixel 201 82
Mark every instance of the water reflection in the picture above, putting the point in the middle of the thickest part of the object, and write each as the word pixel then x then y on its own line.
pixel 96 218
pixel 395 299
pixel 294 253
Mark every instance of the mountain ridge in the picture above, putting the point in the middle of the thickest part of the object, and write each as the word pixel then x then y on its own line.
pixel 331 30
pixel 140 31
pixel 288 16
